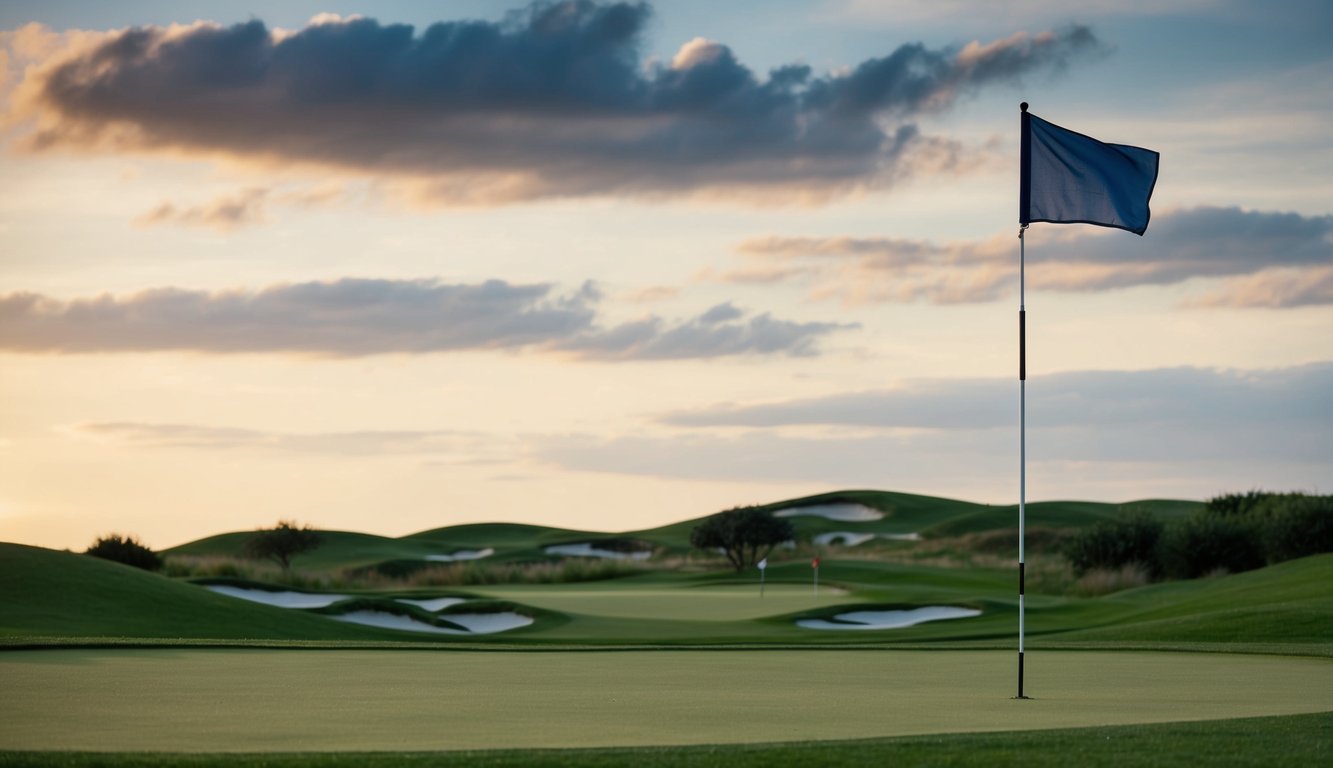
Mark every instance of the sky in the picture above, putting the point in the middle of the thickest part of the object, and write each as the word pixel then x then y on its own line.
pixel 395 266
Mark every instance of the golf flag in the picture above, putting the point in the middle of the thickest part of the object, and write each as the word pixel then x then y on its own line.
pixel 815 563
pixel 1069 178
pixel 763 564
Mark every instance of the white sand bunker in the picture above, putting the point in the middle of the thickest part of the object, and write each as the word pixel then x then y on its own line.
pixel 436 604
pixel 847 513
pixel 280 599
pixel 889 619
pixel 588 550
pixel 472 623
pixel 462 554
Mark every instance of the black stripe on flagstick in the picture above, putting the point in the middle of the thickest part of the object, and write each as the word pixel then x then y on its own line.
pixel 1021 580
pixel 1020 675
pixel 1022 345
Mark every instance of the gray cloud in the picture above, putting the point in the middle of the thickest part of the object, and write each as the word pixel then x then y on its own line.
pixel 354 317
pixel 1185 396
pixel 1200 242
pixel 553 100
pixel 1128 434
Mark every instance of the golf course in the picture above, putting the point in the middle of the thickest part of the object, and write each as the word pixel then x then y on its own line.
pixel 511 644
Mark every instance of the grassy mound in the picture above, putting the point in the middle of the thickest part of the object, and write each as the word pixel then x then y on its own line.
pixel 59 594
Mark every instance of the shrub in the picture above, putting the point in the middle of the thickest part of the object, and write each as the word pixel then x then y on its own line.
pixel 1207 542
pixel 1112 544
pixel 126 550
pixel 1304 526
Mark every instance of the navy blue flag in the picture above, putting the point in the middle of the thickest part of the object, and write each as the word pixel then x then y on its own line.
pixel 1069 178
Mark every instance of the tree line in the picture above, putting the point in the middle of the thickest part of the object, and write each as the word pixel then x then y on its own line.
pixel 1233 532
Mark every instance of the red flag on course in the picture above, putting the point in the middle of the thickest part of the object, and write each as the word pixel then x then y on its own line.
pixel 815 564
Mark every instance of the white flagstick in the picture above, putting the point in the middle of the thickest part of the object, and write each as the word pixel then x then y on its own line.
pixel 816 565
pixel 1024 191
pixel 763 564
pixel 1022 447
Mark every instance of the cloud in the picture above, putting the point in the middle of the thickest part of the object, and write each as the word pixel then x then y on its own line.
pixel 1273 289
pixel 223 214
pixel 1207 242
pixel 551 101
pixel 462 446
pixel 1158 397
pixel 1125 433
pixel 356 317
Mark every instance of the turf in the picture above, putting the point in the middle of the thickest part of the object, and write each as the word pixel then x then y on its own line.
pixel 1244 743
pixel 58 594
pixel 239 700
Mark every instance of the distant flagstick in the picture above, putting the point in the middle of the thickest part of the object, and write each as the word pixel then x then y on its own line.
pixel 763 566
pixel 1082 181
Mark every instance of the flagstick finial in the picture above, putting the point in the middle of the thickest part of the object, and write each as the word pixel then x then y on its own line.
pixel 1023 107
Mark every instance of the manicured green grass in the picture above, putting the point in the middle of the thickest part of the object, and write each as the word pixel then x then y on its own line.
pixel 58 594
pixel 1253 742
pixel 257 700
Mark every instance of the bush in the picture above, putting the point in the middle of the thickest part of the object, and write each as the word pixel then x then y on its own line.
pixel 1112 544
pixel 1206 542
pixel 126 550
pixel 1304 526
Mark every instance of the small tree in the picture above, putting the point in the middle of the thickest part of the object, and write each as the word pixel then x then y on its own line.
pixel 281 543
pixel 127 550
pixel 741 534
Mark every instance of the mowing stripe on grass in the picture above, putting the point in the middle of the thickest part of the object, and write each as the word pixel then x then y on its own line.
pixel 242 700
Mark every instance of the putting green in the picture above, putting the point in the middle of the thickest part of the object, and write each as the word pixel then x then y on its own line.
pixel 308 700
pixel 710 603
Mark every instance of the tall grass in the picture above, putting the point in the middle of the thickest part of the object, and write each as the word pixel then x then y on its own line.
pixel 461 574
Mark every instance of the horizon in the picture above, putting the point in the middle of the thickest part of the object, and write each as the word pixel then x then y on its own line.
pixel 642 262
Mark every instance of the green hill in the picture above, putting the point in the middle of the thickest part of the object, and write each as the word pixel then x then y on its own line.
pixel 59 594
pixel 904 513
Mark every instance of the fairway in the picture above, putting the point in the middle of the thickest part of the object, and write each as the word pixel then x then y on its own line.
pixel 266 700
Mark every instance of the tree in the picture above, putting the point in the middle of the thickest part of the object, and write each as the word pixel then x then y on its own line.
pixel 741 534
pixel 127 550
pixel 281 543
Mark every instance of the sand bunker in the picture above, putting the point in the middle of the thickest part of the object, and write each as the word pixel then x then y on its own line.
pixel 462 554
pixel 889 619
pixel 847 513
pixel 588 550
pixel 473 623
pixel 842 538
pixel 280 599
pixel 436 604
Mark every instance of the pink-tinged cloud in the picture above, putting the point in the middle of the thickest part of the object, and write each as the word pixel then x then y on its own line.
pixel 357 317
pixel 551 101
pixel 1285 259
pixel 223 214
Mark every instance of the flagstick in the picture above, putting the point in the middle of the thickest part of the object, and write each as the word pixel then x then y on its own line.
pixel 761 582
pixel 1022 442
pixel 1025 162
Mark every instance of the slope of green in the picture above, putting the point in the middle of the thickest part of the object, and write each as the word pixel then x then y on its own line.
pixel 1285 603
pixel 58 594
